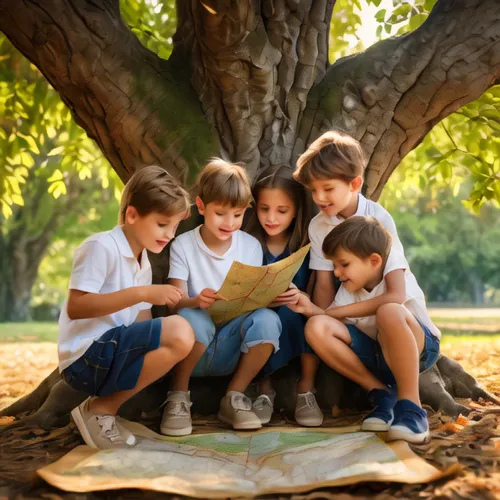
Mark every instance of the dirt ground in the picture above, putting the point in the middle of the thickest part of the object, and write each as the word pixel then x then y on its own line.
pixel 472 442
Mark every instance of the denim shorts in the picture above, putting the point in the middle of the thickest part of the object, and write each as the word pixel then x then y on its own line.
pixel 114 361
pixel 370 353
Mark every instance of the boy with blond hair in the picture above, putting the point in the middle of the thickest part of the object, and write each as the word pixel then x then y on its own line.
pixel 380 351
pixel 199 262
pixel 109 345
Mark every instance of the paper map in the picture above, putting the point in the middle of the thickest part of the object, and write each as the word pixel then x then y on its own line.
pixel 228 464
pixel 247 288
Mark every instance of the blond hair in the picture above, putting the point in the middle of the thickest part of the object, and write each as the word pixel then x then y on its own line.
pixel 225 183
pixel 153 189
pixel 359 235
pixel 333 155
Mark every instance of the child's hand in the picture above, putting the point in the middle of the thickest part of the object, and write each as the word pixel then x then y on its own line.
pixel 302 306
pixel 207 297
pixel 164 295
pixel 291 296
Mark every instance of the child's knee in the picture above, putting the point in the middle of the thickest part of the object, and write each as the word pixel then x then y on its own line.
pixel 316 328
pixel 177 334
pixel 201 323
pixel 392 311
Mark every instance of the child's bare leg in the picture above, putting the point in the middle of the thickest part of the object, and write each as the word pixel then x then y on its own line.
pixel 330 339
pixel 176 341
pixel 183 371
pixel 265 385
pixel 249 366
pixel 309 363
pixel 402 340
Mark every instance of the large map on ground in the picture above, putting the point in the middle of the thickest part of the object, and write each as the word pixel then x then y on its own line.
pixel 247 288
pixel 226 464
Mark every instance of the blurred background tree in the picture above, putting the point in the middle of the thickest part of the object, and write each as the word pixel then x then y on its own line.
pixel 56 188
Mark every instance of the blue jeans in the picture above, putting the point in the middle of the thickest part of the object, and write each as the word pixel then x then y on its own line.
pixel 370 353
pixel 226 342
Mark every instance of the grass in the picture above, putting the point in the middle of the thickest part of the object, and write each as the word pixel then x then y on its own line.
pixel 47 332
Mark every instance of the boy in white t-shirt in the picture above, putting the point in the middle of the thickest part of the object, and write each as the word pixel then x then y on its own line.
pixel 199 262
pixel 382 352
pixel 332 170
pixel 109 345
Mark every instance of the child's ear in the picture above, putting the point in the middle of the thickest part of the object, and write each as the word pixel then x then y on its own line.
pixel 356 183
pixel 200 205
pixel 376 260
pixel 131 215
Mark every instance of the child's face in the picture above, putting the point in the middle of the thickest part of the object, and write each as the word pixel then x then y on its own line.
pixel 275 211
pixel 221 220
pixel 335 196
pixel 356 273
pixel 153 231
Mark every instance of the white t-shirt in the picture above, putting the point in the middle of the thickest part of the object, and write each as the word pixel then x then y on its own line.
pixel 192 261
pixel 103 263
pixel 321 225
pixel 415 300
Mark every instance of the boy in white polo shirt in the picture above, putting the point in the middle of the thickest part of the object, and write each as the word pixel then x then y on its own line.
pixel 378 351
pixel 199 262
pixel 109 345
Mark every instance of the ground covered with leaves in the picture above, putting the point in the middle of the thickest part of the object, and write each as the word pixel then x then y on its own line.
pixel 471 444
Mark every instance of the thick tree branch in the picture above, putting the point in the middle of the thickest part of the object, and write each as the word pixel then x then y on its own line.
pixel 259 60
pixel 390 96
pixel 139 108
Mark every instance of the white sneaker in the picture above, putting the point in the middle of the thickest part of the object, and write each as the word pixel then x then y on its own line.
pixel 176 420
pixel 307 411
pixel 263 407
pixel 236 411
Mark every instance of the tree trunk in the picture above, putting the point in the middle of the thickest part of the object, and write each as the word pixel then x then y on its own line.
pixel 251 81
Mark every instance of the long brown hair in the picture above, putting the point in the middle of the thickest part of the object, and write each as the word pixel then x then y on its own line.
pixel 280 177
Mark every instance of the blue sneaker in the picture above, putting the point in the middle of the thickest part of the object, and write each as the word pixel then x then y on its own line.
pixel 410 423
pixel 380 419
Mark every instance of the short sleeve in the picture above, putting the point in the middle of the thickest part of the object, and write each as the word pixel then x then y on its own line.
pixel 91 265
pixel 395 260
pixel 385 218
pixel 178 266
pixel 317 260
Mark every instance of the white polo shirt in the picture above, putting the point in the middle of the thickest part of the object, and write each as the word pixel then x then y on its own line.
pixel 415 300
pixel 192 261
pixel 103 263
pixel 321 225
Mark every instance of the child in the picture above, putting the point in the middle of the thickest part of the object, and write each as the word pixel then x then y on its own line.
pixel 332 169
pixel 282 215
pixel 199 262
pixel 378 351
pixel 109 345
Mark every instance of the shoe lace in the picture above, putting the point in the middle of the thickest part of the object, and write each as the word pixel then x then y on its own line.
pixel 109 428
pixel 178 408
pixel 261 402
pixel 241 402
pixel 308 400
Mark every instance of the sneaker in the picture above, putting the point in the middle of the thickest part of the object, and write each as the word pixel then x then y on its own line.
pixel 380 419
pixel 307 411
pixel 410 423
pixel 236 411
pixel 263 407
pixel 101 431
pixel 176 420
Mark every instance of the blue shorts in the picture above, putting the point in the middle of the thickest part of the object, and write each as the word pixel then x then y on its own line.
pixel 226 342
pixel 370 353
pixel 114 361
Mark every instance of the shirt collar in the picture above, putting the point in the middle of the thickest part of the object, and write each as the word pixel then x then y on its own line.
pixel 201 244
pixel 360 210
pixel 125 249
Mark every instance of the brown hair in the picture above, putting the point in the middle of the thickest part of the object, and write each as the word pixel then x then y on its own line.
pixel 359 235
pixel 280 177
pixel 226 183
pixel 333 155
pixel 153 189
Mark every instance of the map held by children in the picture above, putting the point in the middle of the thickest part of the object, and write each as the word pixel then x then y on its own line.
pixel 247 288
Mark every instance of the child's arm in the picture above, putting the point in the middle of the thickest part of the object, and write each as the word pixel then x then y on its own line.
pixel 84 305
pixel 324 289
pixel 203 301
pixel 395 293
pixel 305 307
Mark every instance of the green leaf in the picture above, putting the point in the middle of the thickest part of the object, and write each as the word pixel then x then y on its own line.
pixel 417 20
pixel 380 15
pixel 55 151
